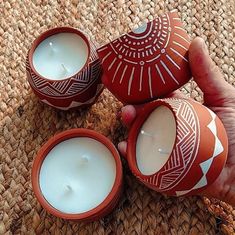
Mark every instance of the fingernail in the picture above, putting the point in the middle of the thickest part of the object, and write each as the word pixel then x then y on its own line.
pixel 204 47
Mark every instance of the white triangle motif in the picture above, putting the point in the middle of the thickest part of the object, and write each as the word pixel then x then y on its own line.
pixel 205 166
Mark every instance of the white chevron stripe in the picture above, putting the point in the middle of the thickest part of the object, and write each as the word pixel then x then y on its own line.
pixel 206 165
pixel 76 103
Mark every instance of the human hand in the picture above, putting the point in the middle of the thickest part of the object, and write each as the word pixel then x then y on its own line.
pixel 219 96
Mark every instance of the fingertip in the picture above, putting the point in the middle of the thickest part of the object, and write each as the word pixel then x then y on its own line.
pixel 198 56
pixel 197 44
pixel 128 115
pixel 122 147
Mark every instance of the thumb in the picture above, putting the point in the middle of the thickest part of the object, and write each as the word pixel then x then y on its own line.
pixel 208 76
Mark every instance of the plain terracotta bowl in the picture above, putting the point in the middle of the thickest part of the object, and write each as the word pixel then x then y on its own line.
pixel 112 198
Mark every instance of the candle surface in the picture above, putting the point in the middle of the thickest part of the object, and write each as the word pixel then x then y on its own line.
pixel 155 140
pixel 77 175
pixel 60 56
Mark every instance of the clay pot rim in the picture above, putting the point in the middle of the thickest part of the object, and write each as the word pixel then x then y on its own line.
pixel 134 132
pixel 49 33
pixel 72 133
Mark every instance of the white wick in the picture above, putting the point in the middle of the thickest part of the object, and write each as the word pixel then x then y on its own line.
pixel 51 46
pixel 52 49
pixel 68 188
pixel 65 70
pixel 146 133
pixel 163 151
pixel 83 160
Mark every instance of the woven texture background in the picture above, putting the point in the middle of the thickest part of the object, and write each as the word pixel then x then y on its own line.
pixel 25 123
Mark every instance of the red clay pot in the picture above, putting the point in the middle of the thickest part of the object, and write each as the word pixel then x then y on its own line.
pixel 195 162
pixel 112 198
pixel 80 90
pixel 147 63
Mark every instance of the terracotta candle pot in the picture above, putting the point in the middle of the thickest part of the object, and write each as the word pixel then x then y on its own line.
pixel 77 175
pixel 148 62
pixel 63 69
pixel 177 147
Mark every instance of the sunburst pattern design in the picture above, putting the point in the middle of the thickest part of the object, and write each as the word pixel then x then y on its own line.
pixel 143 64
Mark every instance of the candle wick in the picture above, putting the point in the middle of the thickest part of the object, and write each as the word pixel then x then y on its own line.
pixel 146 133
pixel 68 187
pixel 64 68
pixel 51 46
pixel 163 151
pixel 84 160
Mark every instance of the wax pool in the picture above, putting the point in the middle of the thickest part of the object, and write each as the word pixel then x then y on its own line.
pixel 77 175
pixel 155 140
pixel 60 56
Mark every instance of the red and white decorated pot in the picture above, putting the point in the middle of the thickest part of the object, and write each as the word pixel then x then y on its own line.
pixel 149 62
pixel 199 151
pixel 79 90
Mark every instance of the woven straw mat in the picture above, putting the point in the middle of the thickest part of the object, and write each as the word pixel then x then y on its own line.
pixel 26 123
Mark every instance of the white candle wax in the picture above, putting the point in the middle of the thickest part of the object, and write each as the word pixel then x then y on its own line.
pixel 77 175
pixel 60 56
pixel 155 140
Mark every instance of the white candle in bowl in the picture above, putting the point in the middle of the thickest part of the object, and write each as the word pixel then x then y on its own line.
pixel 60 56
pixel 155 140
pixel 77 175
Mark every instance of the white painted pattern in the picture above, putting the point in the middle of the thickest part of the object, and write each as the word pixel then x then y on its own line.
pixel 207 164
pixel 150 82
pixel 183 38
pixel 106 56
pixel 111 65
pixel 68 87
pixel 130 80
pixel 160 73
pixel 75 104
pixel 180 45
pixel 146 46
pixel 185 150
pixel 117 69
pixel 173 62
pixel 123 73
pixel 169 72
pixel 177 53
pixel 141 77
pixel 180 28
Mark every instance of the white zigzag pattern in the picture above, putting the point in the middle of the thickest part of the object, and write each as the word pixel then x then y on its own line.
pixel 64 88
pixel 75 104
pixel 206 165
pixel 186 144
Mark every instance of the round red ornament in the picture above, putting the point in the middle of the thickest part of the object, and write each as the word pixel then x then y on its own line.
pixel 111 199
pixel 78 90
pixel 199 151
pixel 148 62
